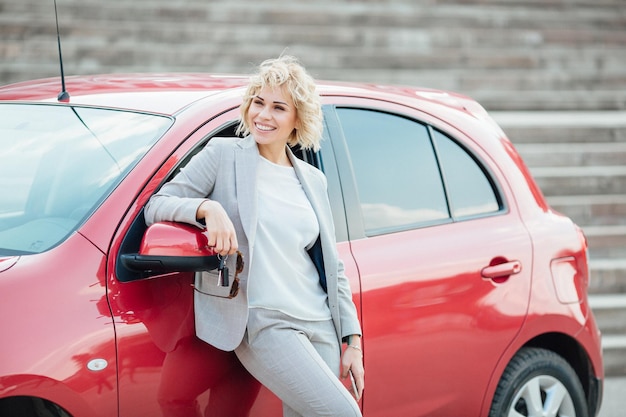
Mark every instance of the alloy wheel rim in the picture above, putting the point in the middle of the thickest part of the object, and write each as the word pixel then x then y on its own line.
pixel 542 396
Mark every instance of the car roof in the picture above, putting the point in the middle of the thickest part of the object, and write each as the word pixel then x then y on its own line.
pixel 155 93
pixel 169 93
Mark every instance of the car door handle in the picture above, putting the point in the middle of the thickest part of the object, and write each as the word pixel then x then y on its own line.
pixel 501 271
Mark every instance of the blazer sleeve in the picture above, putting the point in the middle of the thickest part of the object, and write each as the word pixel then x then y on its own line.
pixel 349 319
pixel 178 199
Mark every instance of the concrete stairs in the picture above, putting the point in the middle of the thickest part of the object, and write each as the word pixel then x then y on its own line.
pixel 579 161
pixel 508 54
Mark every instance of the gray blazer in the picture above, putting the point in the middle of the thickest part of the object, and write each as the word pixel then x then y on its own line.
pixel 225 171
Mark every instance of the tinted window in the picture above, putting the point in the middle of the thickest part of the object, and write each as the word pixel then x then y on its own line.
pixel 397 175
pixel 404 179
pixel 469 190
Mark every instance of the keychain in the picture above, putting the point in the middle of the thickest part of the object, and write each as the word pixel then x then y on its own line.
pixel 222 279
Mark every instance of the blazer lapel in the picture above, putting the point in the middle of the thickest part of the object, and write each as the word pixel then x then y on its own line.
pixel 310 192
pixel 328 277
pixel 246 159
pixel 304 181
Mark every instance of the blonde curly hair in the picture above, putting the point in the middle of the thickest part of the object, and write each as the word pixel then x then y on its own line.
pixel 286 72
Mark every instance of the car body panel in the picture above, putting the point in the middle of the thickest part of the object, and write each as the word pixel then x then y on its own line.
pixel 422 316
pixel 51 357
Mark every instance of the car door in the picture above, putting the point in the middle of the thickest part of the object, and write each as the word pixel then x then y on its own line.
pixel 443 257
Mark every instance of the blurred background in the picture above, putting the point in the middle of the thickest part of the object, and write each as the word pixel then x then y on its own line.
pixel 552 73
pixel 508 54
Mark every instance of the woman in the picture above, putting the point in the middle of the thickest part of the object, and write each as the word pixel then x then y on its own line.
pixel 295 308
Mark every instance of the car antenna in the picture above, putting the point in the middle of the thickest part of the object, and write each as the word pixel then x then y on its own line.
pixel 63 96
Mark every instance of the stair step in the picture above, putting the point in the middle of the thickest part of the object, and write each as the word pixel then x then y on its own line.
pixel 614 352
pixel 606 241
pixel 564 134
pixel 608 276
pixel 594 180
pixel 557 119
pixel 591 210
pixel 573 154
pixel 610 313
pixel 599 252
pixel 541 127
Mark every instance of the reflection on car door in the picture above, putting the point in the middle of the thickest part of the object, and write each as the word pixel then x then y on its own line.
pixel 430 319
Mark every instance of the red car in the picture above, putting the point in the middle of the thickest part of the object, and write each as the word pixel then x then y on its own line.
pixel 472 291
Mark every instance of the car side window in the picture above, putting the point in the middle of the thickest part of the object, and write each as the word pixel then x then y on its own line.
pixel 410 175
pixel 395 169
pixel 469 188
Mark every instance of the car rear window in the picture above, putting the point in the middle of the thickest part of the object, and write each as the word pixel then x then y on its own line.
pixel 58 163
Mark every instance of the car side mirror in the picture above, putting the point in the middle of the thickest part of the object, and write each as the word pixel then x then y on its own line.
pixel 171 247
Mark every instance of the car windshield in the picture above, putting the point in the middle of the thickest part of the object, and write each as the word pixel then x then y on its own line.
pixel 58 163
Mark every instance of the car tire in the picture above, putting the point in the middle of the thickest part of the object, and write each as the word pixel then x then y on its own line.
pixel 538 382
pixel 29 407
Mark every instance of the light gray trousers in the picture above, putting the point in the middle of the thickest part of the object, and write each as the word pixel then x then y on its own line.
pixel 299 362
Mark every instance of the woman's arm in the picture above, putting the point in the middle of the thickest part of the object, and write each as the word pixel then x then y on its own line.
pixel 179 199
pixel 185 199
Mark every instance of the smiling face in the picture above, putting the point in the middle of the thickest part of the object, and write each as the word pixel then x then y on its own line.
pixel 272 118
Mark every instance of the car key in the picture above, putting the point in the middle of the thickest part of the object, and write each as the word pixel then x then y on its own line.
pixel 222 269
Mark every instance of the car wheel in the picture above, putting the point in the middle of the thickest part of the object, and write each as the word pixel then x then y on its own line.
pixel 29 407
pixel 538 383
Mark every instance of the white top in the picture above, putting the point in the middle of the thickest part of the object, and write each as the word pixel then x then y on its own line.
pixel 283 276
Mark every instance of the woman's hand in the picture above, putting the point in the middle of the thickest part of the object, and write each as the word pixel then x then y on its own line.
pixel 352 361
pixel 220 230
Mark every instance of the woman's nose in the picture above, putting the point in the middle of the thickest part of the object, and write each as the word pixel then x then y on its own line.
pixel 264 113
